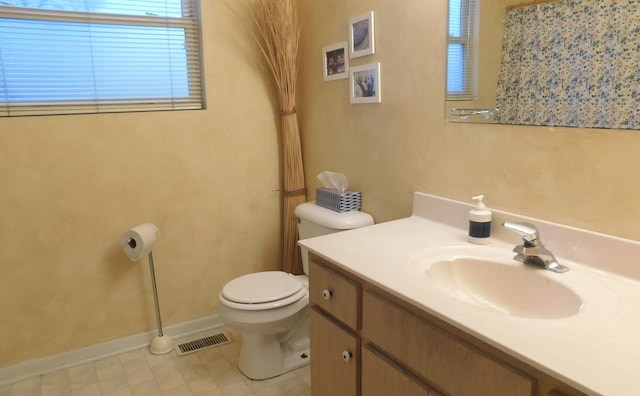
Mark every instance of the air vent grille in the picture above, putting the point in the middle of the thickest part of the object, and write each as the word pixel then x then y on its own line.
pixel 201 343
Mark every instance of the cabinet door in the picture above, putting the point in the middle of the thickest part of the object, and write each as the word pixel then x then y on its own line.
pixel 439 357
pixel 335 354
pixel 381 377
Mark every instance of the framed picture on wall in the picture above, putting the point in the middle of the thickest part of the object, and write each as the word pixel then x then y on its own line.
pixel 336 61
pixel 361 37
pixel 365 83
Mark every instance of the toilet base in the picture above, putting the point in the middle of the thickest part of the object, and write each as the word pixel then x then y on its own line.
pixel 262 356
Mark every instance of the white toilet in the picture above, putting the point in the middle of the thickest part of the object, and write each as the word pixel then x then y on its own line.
pixel 270 309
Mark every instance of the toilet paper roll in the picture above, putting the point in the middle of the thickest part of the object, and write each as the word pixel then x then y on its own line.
pixel 138 241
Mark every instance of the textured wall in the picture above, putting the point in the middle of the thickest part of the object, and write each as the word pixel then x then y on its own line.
pixel 70 185
pixel 581 177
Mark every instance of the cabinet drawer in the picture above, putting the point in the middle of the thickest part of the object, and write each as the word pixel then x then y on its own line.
pixel 335 354
pixel 335 294
pixel 442 359
pixel 380 377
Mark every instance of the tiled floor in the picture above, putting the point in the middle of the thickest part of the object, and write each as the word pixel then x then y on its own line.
pixel 211 372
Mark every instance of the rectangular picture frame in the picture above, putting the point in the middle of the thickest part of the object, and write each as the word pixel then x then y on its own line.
pixel 361 35
pixel 335 61
pixel 364 82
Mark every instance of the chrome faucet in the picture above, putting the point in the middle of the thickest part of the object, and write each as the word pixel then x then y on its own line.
pixel 532 251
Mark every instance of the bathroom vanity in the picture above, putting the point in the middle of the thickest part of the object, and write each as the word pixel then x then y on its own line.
pixel 373 343
pixel 385 322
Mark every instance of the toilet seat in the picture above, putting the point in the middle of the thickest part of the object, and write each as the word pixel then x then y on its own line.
pixel 262 290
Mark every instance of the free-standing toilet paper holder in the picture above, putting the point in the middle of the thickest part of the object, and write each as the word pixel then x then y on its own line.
pixel 162 343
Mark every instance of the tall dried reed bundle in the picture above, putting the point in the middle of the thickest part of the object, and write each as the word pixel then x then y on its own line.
pixel 278 35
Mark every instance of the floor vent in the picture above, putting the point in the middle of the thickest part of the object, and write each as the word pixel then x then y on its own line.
pixel 201 343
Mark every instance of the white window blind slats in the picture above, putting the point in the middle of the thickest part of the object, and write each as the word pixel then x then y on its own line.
pixel 461 52
pixel 103 107
pixel 84 62
pixel 100 8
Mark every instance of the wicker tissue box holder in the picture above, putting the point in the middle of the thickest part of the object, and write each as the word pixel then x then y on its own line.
pixel 338 201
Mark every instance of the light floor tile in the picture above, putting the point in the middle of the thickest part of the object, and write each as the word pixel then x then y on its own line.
pixel 204 386
pixel 290 383
pixel 167 376
pixel 121 392
pixel 210 372
pixel 87 390
pixel 27 386
pixel 237 389
pixel 270 391
pixel 139 376
pixel 256 385
pixel 108 369
pixel 145 389
pixel 84 374
pixel 180 390
pixel 113 385
pixel 195 373
pixel 55 384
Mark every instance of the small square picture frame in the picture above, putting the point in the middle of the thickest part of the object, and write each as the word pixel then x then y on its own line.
pixel 335 61
pixel 361 35
pixel 365 83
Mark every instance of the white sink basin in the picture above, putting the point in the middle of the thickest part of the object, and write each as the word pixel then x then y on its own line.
pixel 504 287
pixel 489 278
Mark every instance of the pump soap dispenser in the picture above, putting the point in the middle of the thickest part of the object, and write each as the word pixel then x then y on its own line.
pixel 479 223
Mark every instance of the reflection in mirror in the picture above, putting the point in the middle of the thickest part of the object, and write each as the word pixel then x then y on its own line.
pixel 461 50
pixel 555 63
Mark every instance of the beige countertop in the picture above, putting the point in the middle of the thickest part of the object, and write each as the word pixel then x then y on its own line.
pixel 596 350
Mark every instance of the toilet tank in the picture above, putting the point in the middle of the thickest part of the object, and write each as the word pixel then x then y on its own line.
pixel 314 220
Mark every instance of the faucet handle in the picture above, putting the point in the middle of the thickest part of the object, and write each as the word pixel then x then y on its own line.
pixel 528 231
pixel 533 251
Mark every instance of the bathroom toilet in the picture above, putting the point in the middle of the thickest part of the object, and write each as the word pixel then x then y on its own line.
pixel 270 308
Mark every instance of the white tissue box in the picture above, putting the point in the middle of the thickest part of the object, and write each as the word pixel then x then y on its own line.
pixel 338 201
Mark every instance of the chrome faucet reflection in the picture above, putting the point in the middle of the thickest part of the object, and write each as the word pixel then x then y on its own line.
pixel 532 251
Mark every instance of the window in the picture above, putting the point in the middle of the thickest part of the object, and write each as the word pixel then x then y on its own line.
pixel 461 50
pixel 97 56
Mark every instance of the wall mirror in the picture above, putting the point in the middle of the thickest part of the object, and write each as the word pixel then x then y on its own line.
pixel 567 63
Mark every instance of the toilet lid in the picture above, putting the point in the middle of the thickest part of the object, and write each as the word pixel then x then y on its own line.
pixel 261 287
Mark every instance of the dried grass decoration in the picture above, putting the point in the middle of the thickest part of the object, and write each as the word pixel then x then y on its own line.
pixel 278 34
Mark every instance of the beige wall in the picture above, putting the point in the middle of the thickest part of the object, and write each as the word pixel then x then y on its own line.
pixel 586 178
pixel 71 185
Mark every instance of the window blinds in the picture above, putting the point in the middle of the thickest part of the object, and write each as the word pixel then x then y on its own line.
pixel 99 56
pixel 461 50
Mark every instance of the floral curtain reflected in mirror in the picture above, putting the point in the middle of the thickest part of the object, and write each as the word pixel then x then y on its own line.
pixel 571 63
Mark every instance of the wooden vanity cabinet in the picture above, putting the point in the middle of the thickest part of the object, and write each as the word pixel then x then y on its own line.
pixel 334 324
pixel 381 376
pixel 365 341
pixel 436 356
pixel 336 360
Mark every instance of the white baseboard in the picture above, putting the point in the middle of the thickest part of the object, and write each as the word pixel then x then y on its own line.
pixel 103 350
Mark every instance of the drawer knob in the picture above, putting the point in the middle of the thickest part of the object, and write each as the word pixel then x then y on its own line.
pixel 346 356
pixel 326 294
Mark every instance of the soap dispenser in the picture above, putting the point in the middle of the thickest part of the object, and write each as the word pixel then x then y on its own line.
pixel 479 223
